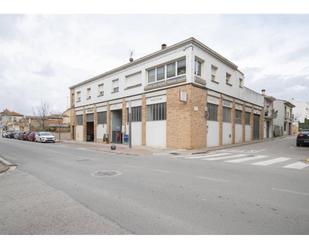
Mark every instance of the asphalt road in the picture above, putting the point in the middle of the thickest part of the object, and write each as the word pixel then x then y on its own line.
pixel 63 189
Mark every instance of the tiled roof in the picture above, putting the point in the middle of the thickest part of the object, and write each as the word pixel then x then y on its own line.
pixel 7 112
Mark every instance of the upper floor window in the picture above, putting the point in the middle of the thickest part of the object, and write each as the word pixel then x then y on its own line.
pixel 78 97
pixel 152 75
pixel 214 70
pixel 228 78
pixel 198 67
pixel 241 82
pixel 158 73
pixel 88 93
pixel 100 90
pixel 115 85
pixel 171 70
pixel 161 73
pixel 181 67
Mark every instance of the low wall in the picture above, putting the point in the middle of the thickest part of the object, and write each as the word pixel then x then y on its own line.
pixel 63 135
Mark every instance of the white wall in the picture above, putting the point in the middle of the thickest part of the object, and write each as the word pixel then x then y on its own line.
pixel 156 133
pixel 79 133
pixel 121 75
pixel 136 133
pixel 227 133
pixel 238 133
pixel 248 133
pixel 212 133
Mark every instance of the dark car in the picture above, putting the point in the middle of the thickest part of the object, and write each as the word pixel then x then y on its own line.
pixel 10 134
pixel 25 135
pixel 302 138
pixel 31 136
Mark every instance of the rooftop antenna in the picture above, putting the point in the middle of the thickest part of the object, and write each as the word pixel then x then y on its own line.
pixel 131 56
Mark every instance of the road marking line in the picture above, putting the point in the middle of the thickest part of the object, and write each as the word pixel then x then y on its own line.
pixel 209 155
pixel 290 191
pixel 212 179
pixel 297 165
pixel 224 157
pixel 240 160
pixel 161 171
pixel 272 161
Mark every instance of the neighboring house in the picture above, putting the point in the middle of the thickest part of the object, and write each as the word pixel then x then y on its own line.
pixel 35 123
pixel 284 120
pixel 269 115
pixel 9 120
pixel 182 96
pixel 301 110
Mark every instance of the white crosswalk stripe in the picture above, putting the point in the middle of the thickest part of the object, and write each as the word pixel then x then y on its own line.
pixel 272 161
pixel 246 159
pixel 207 156
pixel 224 157
pixel 297 165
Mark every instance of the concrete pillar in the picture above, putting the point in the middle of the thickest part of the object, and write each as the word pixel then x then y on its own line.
pixel 109 123
pixel 95 122
pixel 233 114
pixel 144 118
pixel 220 118
pixel 84 126
pixel 251 123
pixel 243 122
pixel 262 118
pixel 206 120
pixel 124 118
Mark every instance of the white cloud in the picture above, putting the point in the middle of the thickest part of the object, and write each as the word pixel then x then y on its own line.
pixel 41 56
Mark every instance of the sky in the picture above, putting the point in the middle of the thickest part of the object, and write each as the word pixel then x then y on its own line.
pixel 41 56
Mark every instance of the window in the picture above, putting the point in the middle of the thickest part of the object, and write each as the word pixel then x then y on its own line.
pixel 115 85
pixel 161 73
pixel 171 72
pixel 78 98
pixel 136 113
pixel 241 82
pixel 214 70
pixel 181 67
pixel 79 119
pixel 152 75
pixel 226 114
pixel 100 90
pixel 238 117
pixel 102 117
pixel 247 118
pixel 228 78
pixel 198 67
pixel 88 93
pixel 212 112
pixel 156 112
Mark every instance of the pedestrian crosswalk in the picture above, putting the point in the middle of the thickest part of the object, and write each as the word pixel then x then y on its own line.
pixel 245 158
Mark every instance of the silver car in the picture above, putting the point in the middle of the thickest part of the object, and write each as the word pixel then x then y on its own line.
pixel 44 137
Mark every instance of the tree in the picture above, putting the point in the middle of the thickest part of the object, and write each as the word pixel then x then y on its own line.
pixel 43 110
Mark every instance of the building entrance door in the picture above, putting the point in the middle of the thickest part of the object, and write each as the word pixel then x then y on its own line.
pixel 116 126
pixel 267 129
pixel 89 128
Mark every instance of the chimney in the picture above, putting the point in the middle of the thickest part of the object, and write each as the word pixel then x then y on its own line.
pixel 263 92
pixel 163 46
pixel 131 59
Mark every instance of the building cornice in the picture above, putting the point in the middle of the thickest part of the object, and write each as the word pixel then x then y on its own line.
pixel 189 41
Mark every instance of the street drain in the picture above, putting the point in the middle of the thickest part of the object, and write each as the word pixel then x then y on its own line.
pixel 106 173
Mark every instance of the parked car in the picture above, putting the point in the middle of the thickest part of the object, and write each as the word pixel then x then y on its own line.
pixel 44 137
pixel 20 135
pixel 25 135
pixel 31 136
pixel 9 134
pixel 302 138
pixel 17 134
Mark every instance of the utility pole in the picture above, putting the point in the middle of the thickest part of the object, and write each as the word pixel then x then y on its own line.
pixel 130 125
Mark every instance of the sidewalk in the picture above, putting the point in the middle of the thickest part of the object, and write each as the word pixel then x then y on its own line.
pixel 146 150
